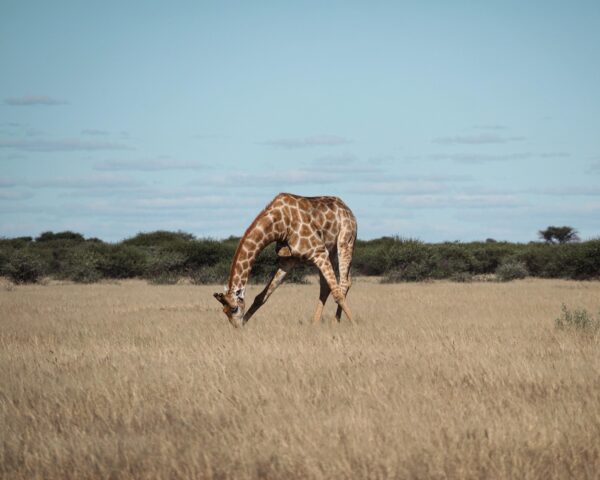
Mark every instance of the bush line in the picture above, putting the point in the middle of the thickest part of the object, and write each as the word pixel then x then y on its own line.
pixel 164 257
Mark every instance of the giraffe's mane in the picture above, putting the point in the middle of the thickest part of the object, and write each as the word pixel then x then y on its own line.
pixel 238 250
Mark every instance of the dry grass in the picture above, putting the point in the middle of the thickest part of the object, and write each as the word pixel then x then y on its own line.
pixel 437 380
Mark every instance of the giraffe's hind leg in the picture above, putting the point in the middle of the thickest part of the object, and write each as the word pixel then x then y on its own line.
pixel 338 312
pixel 345 262
pixel 321 260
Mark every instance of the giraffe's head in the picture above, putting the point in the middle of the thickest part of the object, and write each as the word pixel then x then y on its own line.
pixel 233 306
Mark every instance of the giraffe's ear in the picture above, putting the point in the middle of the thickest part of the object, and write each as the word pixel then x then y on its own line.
pixel 220 297
pixel 240 293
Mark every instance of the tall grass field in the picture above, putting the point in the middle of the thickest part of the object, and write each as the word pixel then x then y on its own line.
pixel 435 380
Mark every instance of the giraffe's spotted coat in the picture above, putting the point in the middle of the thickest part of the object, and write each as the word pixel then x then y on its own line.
pixel 312 229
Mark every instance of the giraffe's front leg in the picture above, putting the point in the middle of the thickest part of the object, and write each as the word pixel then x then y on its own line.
pixel 285 265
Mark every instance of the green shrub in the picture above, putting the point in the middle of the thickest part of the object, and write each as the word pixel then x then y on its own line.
pixel 5 255
pixel 369 258
pixel 585 260
pixel 81 265
pixel 161 262
pixel 24 267
pixel 537 258
pixel 488 256
pixel 557 261
pixel 218 273
pixel 410 260
pixel 263 274
pixel 174 254
pixel 60 236
pixel 165 278
pixel 123 261
pixel 201 253
pixel 451 259
pixel 461 277
pixel 159 238
pixel 578 319
pixel 16 243
pixel 411 272
pixel 164 267
pixel 511 270
pixel 298 274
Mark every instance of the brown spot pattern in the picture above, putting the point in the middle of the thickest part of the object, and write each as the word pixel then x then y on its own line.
pixel 313 227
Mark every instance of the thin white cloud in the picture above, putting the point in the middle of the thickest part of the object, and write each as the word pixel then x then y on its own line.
pixel 32 132
pixel 12 208
pixel 569 190
pixel 432 177
pixel 30 100
pixel 306 142
pixel 196 202
pixel 94 132
pixel 479 157
pixel 410 184
pixel 147 165
pixel 480 139
pixel 12 194
pixel 594 167
pixel 342 160
pixel 381 159
pixel 88 181
pixel 555 155
pixel 212 208
pixel 562 191
pixel 584 216
pixel 462 200
pixel 290 177
pixel 345 167
pixel 21 129
pixel 13 156
pixel 210 136
pixel 358 172
pixel 9 192
pixel 7 182
pixel 123 193
pixel 400 188
pixel 153 191
pixel 491 126
pixel 65 145
pixel 279 179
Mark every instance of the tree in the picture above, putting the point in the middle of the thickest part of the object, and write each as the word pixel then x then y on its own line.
pixel 159 238
pixel 66 235
pixel 554 234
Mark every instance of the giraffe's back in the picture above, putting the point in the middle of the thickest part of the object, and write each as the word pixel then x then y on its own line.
pixel 310 221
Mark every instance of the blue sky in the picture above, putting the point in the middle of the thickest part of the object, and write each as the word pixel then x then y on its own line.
pixel 432 120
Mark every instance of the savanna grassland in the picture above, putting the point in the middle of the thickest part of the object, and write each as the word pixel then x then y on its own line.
pixel 436 380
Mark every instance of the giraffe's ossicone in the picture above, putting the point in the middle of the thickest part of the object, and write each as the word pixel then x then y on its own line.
pixel 319 230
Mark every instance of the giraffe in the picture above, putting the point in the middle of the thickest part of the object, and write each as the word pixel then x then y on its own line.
pixel 312 229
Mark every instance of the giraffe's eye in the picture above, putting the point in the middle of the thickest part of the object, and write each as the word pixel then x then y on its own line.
pixel 234 309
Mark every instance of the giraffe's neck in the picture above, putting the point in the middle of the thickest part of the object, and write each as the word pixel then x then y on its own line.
pixel 256 238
